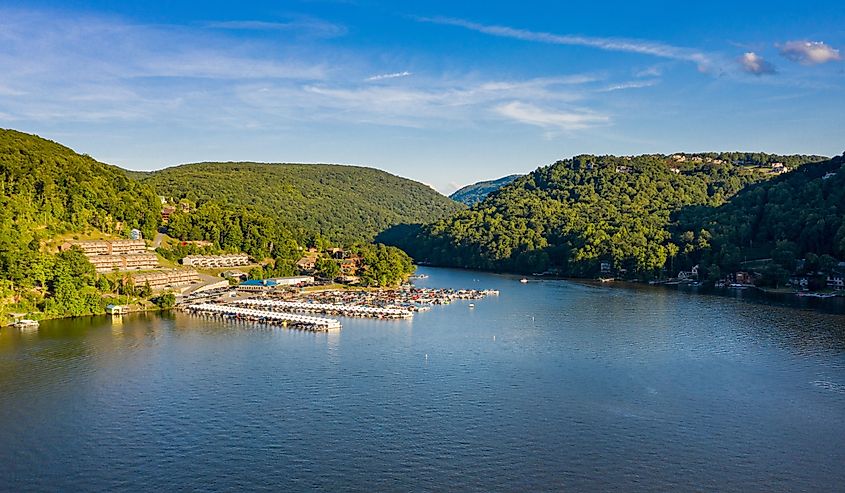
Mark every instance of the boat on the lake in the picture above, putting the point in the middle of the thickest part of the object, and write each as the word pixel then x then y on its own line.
pixel 26 324
pixel 816 295
pixel 523 280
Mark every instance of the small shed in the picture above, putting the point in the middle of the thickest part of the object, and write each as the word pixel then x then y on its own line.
pixel 117 309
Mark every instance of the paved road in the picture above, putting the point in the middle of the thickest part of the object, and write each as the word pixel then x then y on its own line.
pixel 158 239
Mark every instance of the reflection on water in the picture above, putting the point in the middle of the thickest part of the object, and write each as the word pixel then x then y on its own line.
pixel 552 385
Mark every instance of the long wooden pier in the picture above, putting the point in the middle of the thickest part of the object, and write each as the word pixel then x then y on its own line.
pixel 263 316
pixel 327 308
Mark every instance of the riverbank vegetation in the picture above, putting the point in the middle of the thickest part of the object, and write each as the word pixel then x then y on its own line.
pixel 572 217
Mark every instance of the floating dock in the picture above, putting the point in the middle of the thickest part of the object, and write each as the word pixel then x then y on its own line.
pixel 263 316
pixel 327 308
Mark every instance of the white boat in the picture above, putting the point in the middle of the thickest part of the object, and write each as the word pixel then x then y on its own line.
pixel 472 305
pixel 523 280
pixel 26 324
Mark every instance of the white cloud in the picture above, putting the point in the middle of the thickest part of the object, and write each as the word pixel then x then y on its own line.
pixel 417 105
pixel 103 69
pixel 809 52
pixel 629 85
pixel 562 120
pixel 394 75
pixel 755 64
pixel 645 47
pixel 653 71
pixel 305 25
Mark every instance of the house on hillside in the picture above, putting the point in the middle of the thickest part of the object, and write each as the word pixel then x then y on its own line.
pixel 778 168
pixel 799 282
pixel 166 212
pixel 307 263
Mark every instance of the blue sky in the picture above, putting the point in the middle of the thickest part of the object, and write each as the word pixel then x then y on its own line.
pixel 446 93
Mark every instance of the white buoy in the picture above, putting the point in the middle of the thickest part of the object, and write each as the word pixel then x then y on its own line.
pixel 494 338
pixel 426 356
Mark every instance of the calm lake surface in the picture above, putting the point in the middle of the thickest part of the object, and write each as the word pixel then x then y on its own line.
pixel 553 385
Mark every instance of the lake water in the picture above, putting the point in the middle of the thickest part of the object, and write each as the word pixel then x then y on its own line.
pixel 552 385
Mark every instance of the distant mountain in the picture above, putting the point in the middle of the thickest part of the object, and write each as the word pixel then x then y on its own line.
pixel 340 203
pixel 580 214
pixel 475 193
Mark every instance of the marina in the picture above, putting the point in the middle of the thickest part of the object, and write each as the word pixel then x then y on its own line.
pixel 286 308
pixel 327 308
pixel 289 320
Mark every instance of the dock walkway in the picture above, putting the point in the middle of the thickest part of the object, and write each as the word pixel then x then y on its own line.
pixel 285 319
pixel 327 308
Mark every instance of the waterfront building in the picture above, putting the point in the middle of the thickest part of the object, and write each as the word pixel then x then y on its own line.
pixel 258 286
pixel 293 280
pixel 117 309
pixel 267 285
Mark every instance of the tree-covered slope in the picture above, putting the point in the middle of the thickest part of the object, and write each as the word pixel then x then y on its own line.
pixel 575 214
pixel 475 193
pixel 341 203
pixel 796 215
pixel 44 185
pixel 47 189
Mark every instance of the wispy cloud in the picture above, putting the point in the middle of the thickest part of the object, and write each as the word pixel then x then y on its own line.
pixel 629 85
pixel 550 118
pixel 809 52
pixel 644 47
pixel 306 25
pixel 755 64
pixel 424 103
pixel 394 75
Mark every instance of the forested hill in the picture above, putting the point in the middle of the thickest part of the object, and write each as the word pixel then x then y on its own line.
pixel 475 193
pixel 571 216
pixel 794 216
pixel 340 203
pixel 47 187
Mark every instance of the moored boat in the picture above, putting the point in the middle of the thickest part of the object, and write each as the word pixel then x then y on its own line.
pixel 26 324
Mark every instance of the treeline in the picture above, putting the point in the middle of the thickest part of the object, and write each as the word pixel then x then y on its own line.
pixel 576 214
pixel 343 204
pixel 266 239
pixel 381 266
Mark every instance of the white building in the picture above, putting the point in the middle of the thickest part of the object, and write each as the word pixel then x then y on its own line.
pixel 215 261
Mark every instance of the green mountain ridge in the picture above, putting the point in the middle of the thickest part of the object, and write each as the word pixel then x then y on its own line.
pixel 799 215
pixel 341 203
pixel 574 215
